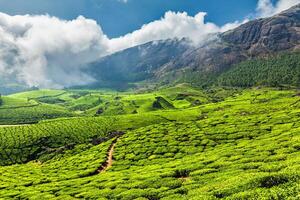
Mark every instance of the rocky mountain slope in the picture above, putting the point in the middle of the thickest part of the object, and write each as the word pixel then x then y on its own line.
pixel 258 38
pixel 138 63
pixel 171 59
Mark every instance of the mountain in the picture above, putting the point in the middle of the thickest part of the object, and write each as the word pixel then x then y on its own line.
pixel 217 58
pixel 177 60
pixel 263 36
pixel 136 64
pixel 258 38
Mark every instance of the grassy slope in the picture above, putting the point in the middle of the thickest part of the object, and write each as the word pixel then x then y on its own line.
pixel 246 147
pixel 36 94
pixel 23 143
pixel 23 108
pixel 33 106
pixel 16 111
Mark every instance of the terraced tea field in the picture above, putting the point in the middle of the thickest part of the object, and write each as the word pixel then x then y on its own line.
pixel 244 146
pixel 34 106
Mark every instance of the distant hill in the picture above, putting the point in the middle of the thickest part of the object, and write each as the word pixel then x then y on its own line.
pixel 173 61
pixel 136 64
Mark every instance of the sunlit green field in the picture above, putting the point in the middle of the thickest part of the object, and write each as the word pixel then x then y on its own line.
pixel 34 106
pixel 176 143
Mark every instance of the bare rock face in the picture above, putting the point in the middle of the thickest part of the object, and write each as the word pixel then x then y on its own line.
pixel 137 63
pixel 278 33
pixel 257 38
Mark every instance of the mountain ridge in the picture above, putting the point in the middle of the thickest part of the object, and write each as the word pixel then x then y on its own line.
pixel 252 39
pixel 171 61
pixel 257 38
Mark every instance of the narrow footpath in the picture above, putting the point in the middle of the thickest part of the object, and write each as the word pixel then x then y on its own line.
pixel 109 160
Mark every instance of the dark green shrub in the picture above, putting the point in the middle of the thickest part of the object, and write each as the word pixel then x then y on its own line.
pixel 181 173
pixel 273 180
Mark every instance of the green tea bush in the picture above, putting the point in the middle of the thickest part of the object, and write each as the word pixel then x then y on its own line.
pixel 251 154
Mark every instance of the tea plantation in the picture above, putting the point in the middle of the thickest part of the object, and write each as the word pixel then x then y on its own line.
pixel 34 106
pixel 228 145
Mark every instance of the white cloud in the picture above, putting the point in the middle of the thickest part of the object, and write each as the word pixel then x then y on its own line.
pixel 46 51
pixel 172 25
pixel 49 52
pixel 265 8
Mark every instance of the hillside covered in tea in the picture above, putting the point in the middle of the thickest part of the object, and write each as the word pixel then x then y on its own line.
pixel 244 146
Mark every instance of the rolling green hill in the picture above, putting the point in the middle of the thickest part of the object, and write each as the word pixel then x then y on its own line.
pixel 25 111
pixel 34 106
pixel 244 146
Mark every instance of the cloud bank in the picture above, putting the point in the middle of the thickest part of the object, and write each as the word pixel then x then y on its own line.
pixel 45 51
pixel 48 52
pixel 265 8
pixel 172 25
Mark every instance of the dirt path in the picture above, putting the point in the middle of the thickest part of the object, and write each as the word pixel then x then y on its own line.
pixel 110 156
pixel 109 160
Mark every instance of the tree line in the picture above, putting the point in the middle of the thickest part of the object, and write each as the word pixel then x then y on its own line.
pixel 274 71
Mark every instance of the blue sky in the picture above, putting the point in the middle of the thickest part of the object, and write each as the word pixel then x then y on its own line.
pixel 118 18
